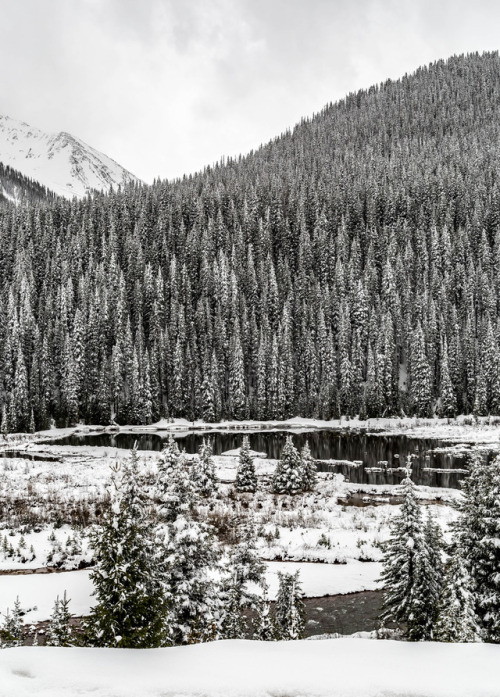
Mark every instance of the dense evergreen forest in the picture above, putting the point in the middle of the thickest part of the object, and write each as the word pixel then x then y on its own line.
pixel 14 185
pixel 350 266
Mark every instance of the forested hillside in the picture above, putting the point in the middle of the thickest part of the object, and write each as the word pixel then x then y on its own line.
pixel 15 187
pixel 350 266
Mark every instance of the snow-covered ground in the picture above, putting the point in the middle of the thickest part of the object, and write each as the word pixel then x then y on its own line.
pixel 335 667
pixel 37 592
pixel 465 429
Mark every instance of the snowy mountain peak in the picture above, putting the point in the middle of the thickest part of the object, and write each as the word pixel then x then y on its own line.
pixel 61 162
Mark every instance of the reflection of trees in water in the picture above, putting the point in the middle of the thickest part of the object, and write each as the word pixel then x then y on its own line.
pixel 372 450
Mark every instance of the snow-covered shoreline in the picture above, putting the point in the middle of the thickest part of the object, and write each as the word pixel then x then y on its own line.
pixel 462 429
pixel 37 592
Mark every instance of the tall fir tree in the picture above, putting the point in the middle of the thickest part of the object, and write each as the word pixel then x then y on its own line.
pixel 246 479
pixel 131 603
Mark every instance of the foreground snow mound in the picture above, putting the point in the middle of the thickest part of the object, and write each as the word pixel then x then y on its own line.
pixel 338 668
pixel 61 162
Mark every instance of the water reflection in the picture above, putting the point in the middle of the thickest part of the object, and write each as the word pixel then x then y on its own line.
pixel 381 456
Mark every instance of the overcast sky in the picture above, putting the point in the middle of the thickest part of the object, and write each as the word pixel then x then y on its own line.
pixel 167 86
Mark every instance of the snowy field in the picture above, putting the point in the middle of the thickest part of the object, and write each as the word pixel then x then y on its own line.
pixel 335 547
pixel 37 592
pixel 333 668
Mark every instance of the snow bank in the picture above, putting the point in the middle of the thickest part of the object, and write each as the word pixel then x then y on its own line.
pixel 337 668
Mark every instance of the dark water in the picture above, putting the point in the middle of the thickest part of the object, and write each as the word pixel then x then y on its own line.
pixel 26 455
pixel 343 614
pixel 374 451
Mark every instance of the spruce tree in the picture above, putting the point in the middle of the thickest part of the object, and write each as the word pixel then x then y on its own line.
pixel 11 632
pixel 203 470
pixel 190 555
pixel 59 630
pixel 246 479
pixel 401 561
pixel 288 476
pixel 264 628
pixel 309 472
pixel 478 530
pixel 457 621
pixel 289 610
pixel 174 489
pixel 131 604
pixel 428 583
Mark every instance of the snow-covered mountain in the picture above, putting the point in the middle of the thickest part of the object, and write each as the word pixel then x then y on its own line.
pixel 61 162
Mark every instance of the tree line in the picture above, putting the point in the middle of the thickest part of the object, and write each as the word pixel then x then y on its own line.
pixel 350 266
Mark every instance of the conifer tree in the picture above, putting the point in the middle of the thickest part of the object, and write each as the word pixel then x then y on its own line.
pixel 190 555
pixel 131 604
pixel 421 385
pixel 203 470
pixel 457 621
pixel 402 554
pixel 448 399
pixel 59 630
pixel 246 479
pixel 11 632
pixel 427 584
pixel 288 476
pixel 289 610
pixel 264 629
pixel 175 490
pixel 309 475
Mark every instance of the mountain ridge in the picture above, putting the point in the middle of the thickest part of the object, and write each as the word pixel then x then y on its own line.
pixel 61 162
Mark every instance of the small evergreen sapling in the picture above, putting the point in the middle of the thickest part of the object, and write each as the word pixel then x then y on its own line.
pixel 289 610
pixel 288 476
pixel 203 471
pixel 59 631
pixel 11 632
pixel 264 626
pixel 131 606
pixel 174 488
pixel 309 475
pixel 245 567
pixel 246 479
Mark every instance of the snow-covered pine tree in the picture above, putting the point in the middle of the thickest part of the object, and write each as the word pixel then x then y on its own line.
pixel 309 473
pixel 288 474
pixel 401 560
pixel 420 374
pixel 457 621
pixel 478 531
pixel 190 556
pixel 448 399
pixel 11 632
pixel 131 606
pixel 246 479
pixel 203 470
pixel 4 425
pixel 289 609
pixel 59 630
pixel 428 583
pixel 175 491
pixel 264 629
pixel 244 567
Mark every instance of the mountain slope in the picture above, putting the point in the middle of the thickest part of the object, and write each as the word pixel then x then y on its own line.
pixel 16 188
pixel 61 162
pixel 351 266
